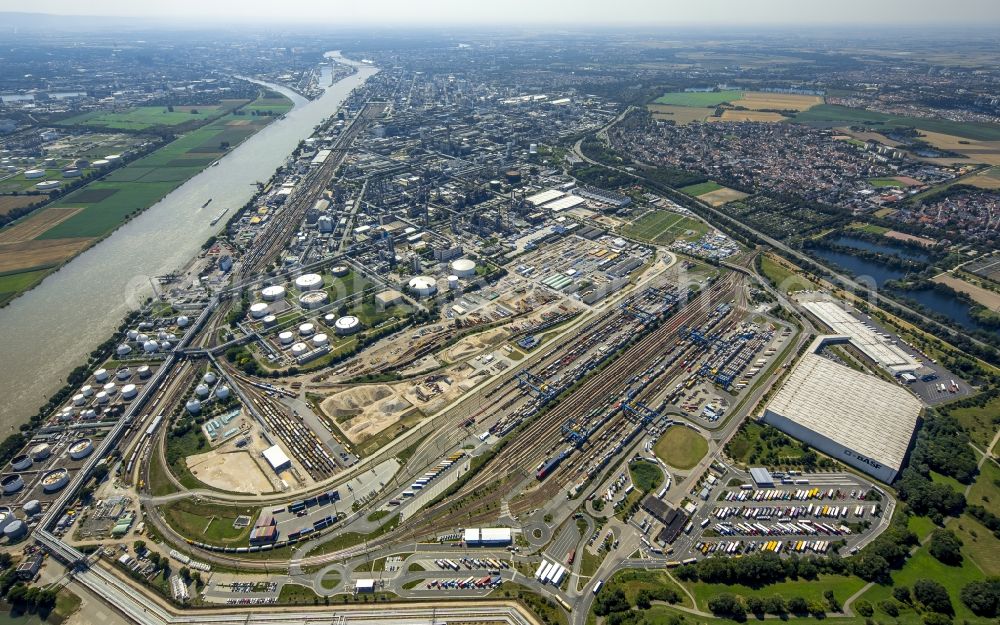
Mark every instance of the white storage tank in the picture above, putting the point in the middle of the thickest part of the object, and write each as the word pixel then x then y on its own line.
pixel 320 340
pixel 272 293
pixel 150 346
pixel 40 452
pixel 16 530
pixel 314 299
pixel 463 267
pixel 348 324
pixel 306 329
pixel 209 378
pixel 299 348
pixel 309 282
pixel 87 390
pixel 110 388
pixel 81 449
pixel 258 310
pixel 329 319
pixel 124 373
pixel 7 517
pixel 133 335
pixel 182 321
pixel 123 350
pixel 340 271
pixel 21 463
pixel 89 414
pixel 144 372
pixel 423 286
pixel 193 406
pixel 78 399
pixel 11 484
pixel 129 391
pixel 101 375
pixel 102 397
pixel 34 174
pixel 452 283
pixel 201 390
pixel 33 508
pixel 269 320
pixel 222 392
pixel 142 338
pixel 55 480
pixel 286 337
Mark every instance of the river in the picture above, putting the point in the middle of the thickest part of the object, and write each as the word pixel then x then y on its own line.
pixel 52 328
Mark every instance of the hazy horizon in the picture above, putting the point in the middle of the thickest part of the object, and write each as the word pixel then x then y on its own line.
pixel 888 13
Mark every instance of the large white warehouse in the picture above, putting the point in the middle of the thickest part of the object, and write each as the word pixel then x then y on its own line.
pixel 853 417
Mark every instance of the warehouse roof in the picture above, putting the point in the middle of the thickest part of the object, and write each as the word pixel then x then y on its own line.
pixel 545 196
pixel 276 458
pixel 879 349
pixel 861 412
pixel 564 203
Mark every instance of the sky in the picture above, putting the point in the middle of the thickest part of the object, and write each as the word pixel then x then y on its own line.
pixel 540 12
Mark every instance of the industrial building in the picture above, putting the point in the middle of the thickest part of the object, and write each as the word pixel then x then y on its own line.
pixel 881 351
pixel 278 460
pixel 856 418
pixel 487 536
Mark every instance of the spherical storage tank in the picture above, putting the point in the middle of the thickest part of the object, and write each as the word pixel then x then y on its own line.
pixel 15 530
pixel 463 267
pixel 339 271
pixel 193 406
pixel 55 480
pixel 150 346
pixel 20 463
pixel 81 449
pixel 129 391
pixel 314 299
pixel 11 484
pixel 299 348
pixel 258 310
pixel 285 337
pixel 320 340
pixel 201 390
pixel 222 392
pixel 123 350
pixel 306 329
pixel 209 378
pixel 424 286
pixel 41 451
pixel 309 282
pixel 182 321
pixel 347 325
pixel 272 293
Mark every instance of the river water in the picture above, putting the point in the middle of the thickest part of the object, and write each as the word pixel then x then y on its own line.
pixel 49 330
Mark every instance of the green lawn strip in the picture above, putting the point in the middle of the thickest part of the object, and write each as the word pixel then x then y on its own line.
pixel 701 188
pixel 843 586
pixel 784 278
pixel 633 581
pixel 704 99
pixel 297 594
pixel 208 523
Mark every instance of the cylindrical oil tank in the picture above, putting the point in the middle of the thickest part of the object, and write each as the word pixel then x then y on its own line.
pixel 21 463
pixel 452 283
pixel 129 391
pixel 258 310
pixel 306 329
pixel 144 372
pixel 102 397
pixel 16 530
pixel 182 321
pixel 6 517
pixel 272 293
pixel 110 388
pixel 463 267
pixel 133 335
pixel 87 390
pixel 55 480
pixel 423 286
pixel 40 452
pixel 150 346
pixel 89 414
pixel 299 348
pixel 124 373
pixel 309 282
pixel 285 337
pixel 101 375
pixel 123 350
pixel 33 508
pixel 320 340
pixel 81 449
pixel 79 399
pixel 269 321
pixel 348 324
pixel 11 484
pixel 314 299
pixel 340 271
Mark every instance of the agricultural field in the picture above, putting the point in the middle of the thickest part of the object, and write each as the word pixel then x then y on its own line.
pixel 701 99
pixel 881 183
pixel 664 227
pixel 785 278
pixel 680 115
pixel 713 193
pixel 765 101
pixel 975 151
pixel 731 115
pixel 146 117
pixel 870 228
pixel 831 115
pixel 989 179
pixel 702 188
pixel 989 299
pixel 53 235
pixel 13 202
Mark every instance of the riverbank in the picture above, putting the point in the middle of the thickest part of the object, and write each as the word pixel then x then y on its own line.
pixel 51 328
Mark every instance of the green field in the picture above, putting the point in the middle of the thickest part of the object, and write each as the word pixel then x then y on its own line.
pixel 645 475
pixel 881 183
pixel 871 228
pixel 681 447
pixel 843 586
pixel 783 277
pixel 146 117
pixel 664 227
pixel 834 114
pixel 12 284
pixel 700 99
pixel 701 188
